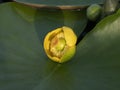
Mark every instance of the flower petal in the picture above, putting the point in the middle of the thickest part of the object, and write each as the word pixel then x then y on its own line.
pixel 70 36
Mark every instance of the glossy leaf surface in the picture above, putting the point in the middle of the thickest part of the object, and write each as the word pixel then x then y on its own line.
pixel 24 65
pixel 61 2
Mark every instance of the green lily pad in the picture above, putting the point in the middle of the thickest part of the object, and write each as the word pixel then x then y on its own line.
pixel 23 63
pixel 61 2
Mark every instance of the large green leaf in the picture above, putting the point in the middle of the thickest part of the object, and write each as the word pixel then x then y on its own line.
pixel 24 65
pixel 61 2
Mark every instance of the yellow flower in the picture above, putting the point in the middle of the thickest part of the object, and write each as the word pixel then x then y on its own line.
pixel 60 44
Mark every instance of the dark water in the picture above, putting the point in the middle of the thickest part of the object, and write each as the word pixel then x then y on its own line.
pixel 2 1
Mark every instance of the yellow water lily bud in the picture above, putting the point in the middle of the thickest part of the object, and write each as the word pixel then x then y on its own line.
pixel 60 44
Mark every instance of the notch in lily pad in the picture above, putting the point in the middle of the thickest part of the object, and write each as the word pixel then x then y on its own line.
pixel 60 44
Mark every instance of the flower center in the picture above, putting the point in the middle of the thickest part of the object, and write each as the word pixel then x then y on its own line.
pixel 57 45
